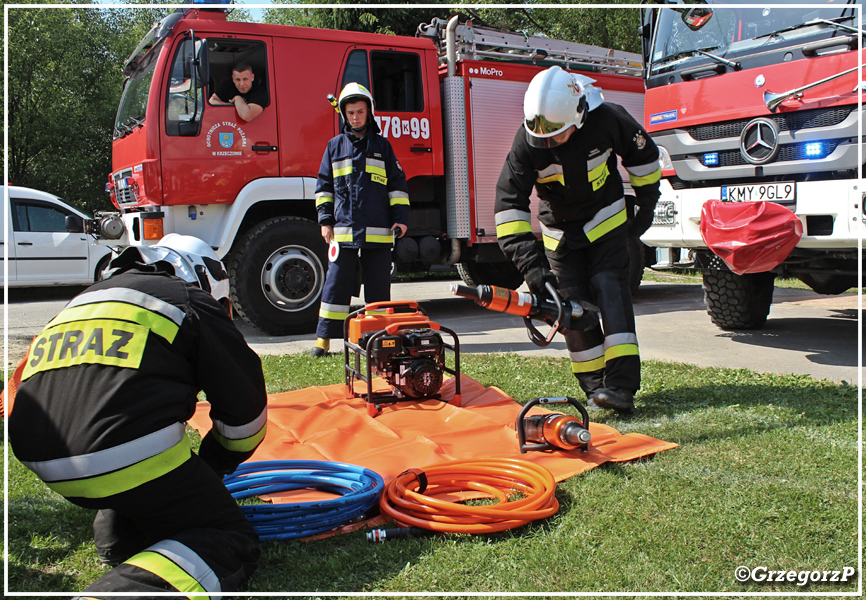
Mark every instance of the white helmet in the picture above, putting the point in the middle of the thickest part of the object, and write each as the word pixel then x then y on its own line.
pixel 194 262
pixel 554 101
pixel 355 92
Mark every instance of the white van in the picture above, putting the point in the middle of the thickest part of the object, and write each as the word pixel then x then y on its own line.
pixel 40 251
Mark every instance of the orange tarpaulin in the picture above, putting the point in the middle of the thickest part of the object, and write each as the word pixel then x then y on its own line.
pixel 320 423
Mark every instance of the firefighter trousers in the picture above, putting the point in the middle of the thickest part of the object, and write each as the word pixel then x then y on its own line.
pixel 605 356
pixel 182 532
pixel 339 287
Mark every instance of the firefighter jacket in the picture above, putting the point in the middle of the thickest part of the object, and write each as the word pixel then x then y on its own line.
pixel 109 384
pixel 361 190
pixel 579 187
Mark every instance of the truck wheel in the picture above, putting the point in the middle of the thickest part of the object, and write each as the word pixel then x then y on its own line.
pixel 637 263
pixel 738 301
pixel 277 271
pixel 502 274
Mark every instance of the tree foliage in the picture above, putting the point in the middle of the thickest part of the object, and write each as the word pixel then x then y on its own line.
pixel 64 85
pixel 392 21
pixel 577 22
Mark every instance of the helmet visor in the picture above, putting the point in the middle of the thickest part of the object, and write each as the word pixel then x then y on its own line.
pixel 541 127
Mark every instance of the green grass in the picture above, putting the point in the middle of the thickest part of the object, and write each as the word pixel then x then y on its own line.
pixel 766 474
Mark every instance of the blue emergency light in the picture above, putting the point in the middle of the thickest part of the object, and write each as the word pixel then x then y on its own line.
pixel 815 150
pixel 710 159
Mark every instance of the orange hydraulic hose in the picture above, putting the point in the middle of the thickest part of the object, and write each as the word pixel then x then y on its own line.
pixel 414 498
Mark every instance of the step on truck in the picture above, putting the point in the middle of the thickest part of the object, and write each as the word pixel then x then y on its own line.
pixel 449 100
pixel 751 103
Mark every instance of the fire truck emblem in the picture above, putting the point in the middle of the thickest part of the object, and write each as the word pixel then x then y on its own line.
pixel 227 139
pixel 759 142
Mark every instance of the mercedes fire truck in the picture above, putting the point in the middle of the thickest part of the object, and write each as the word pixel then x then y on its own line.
pixel 449 100
pixel 757 103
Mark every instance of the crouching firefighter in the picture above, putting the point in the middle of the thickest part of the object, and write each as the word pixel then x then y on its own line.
pixel 567 149
pixel 100 411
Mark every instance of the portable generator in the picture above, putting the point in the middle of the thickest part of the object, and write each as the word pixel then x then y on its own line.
pixel 398 343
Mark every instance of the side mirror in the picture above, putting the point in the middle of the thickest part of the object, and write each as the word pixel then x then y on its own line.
pixel 74 224
pixel 202 63
pixel 696 17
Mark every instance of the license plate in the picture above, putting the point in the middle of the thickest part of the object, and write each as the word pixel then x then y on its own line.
pixel 781 192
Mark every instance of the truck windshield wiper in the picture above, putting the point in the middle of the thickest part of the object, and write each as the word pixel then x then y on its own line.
pixel 667 60
pixel 734 65
pixel 811 23
pixel 838 25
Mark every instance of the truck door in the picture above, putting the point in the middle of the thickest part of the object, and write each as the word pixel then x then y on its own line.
pixel 397 81
pixel 208 152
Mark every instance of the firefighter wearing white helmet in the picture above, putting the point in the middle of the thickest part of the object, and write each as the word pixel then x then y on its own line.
pixel 567 150
pixel 100 411
pixel 362 201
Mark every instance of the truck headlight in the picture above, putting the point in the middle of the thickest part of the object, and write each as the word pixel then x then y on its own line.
pixel 665 163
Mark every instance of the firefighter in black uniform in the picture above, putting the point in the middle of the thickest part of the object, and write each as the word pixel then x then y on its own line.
pixel 567 149
pixel 362 201
pixel 100 413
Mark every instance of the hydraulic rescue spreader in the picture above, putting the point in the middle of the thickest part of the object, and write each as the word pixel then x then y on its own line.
pixel 561 315
pixel 552 431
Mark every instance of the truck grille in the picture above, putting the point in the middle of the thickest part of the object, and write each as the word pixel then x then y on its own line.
pixel 806 119
pixel 123 196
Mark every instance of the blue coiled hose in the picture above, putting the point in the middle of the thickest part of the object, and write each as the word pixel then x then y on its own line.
pixel 358 487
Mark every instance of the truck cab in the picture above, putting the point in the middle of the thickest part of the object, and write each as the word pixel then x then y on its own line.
pixel 756 104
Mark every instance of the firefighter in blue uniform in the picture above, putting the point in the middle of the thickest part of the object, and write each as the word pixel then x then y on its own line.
pixel 567 149
pixel 362 200
pixel 100 414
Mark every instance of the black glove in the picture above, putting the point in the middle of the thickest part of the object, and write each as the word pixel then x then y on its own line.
pixel 640 222
pixel 536 277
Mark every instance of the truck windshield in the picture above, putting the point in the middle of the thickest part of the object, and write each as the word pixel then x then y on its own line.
pixel 133 102
pixel 740 31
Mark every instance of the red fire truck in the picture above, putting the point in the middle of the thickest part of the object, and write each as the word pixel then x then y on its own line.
pixel 449 100
pixel 757 103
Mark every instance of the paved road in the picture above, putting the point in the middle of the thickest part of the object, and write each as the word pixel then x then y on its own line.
pixel 805 334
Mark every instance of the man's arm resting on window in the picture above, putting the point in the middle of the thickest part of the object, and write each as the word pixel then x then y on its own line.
pixel 247 112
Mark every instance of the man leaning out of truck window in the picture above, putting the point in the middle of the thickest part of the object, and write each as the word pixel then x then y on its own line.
pixel 248 99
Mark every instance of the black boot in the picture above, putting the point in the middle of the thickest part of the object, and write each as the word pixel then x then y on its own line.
pixel 614 398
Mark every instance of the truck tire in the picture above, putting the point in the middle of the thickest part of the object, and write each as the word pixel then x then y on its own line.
pixel 277 271
pixel 738 301
pixel 502 274
pixel 637 263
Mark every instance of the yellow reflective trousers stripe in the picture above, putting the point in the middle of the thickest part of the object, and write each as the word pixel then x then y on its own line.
pixel 513 228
